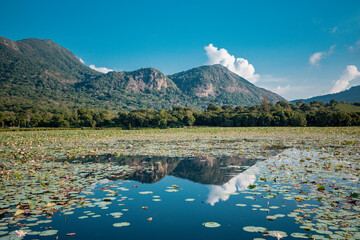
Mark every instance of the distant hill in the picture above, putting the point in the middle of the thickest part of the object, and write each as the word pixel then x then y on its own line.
pixel 351 96
pixel 218 85
pixel 143 88
pixel 40 74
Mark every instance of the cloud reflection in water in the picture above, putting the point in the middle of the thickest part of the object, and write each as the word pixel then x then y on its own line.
pixel 237 183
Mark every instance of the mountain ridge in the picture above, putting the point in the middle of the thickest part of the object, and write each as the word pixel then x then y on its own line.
pixel 222 85
pixel 351 95
pixel 35 71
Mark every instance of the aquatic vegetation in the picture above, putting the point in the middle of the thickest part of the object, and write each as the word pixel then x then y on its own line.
pixel 121 224
pixel 311 181
pixel 277 235
pixel 254 229
pixel 20 233
pixel 211 224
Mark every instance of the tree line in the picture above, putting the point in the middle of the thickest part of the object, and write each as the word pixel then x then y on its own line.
pixel 282 113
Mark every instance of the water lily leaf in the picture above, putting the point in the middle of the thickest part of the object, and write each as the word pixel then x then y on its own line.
pixel 68 213
pixel 48 233
pixel 33 233
pixel 121 224
pixel 274 207
pixel 171 190
pixel 211 224
pixel 254 229
pixel 146 192
pixel 299 235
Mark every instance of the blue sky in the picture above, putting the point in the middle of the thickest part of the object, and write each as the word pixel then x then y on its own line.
pixel 276 38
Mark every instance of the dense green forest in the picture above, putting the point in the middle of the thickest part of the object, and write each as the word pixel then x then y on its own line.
pixel 316 113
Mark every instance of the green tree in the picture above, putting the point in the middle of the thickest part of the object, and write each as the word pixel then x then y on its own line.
pixel 213 108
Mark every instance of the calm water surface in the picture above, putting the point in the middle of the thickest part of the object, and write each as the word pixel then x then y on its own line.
pixel 179 195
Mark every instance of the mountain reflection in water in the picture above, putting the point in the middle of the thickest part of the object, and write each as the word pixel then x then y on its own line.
pixel 224 172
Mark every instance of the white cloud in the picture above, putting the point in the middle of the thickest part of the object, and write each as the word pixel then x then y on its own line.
pixel 239 66
pixel 316 57
pixel 355 47
pixel 237 183
pixel 101 69
pixel 334 29
pixel 331 49
pixel 291 89
pixel 281 90
pixel 269 78
pixel 80 60
pixel 350 73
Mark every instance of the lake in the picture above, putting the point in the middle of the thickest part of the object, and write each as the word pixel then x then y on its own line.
pixel 294 191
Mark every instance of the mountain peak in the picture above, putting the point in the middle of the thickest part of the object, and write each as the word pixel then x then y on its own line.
pixel 41 70
pixel 218 84
pixel 148 78
pixel 8 43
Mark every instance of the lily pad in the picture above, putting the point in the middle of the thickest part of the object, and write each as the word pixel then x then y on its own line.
pixel 211 224
pixel 121 224
pixel 254 229
pixel 48 233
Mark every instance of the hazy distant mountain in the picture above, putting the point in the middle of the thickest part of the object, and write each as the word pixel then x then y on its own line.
pixel 351 96
pixel 219 85
pixel 40 73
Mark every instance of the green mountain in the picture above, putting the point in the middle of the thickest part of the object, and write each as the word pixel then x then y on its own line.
pixel 39 74
pixel 216 84
pixel 351 96
pixel 143 88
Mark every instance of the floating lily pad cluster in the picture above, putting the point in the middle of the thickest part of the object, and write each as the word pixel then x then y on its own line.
pixel 320 173
pixel 331 211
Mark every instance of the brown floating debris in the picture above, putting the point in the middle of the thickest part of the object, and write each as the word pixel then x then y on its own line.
pixel 50 204
pixel 19 212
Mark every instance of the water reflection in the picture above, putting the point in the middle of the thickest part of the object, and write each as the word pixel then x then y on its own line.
pixel 238 183
pixel 222 171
